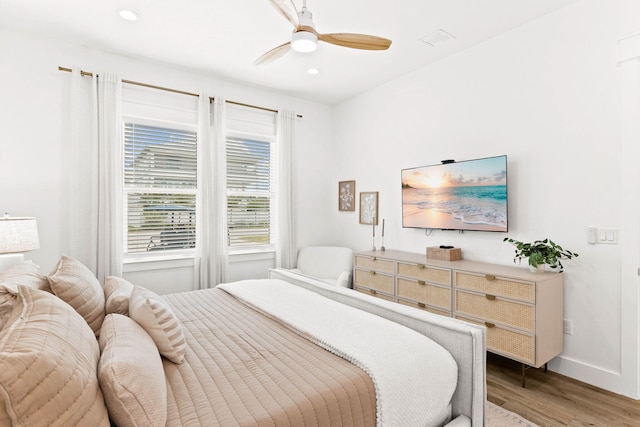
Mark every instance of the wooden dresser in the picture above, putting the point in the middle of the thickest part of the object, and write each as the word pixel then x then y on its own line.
pixel 522 311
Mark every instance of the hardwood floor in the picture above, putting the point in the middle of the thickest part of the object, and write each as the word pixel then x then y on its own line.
pixel 551 399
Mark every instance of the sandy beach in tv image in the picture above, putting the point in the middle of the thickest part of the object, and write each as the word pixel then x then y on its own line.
pixel 470 195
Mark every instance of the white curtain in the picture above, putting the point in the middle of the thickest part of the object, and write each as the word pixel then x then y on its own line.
pixel 211 223
pixel 93 169
pixel 285 241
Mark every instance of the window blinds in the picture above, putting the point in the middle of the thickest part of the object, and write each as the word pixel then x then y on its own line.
pixel 160 176
pixel 249 191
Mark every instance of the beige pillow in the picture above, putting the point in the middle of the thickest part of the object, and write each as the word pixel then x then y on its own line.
pixel 25 273
pixel 7 301
pixel 150 311
pixel 49 358
pixel 131 374
pixel 76 285
pixel 117 292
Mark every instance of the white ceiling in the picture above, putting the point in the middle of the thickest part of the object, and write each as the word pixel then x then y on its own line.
pixel 225 37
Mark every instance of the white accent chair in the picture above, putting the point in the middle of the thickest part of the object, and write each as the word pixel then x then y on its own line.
pixel 331 264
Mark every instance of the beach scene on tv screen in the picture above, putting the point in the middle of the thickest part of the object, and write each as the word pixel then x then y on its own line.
pixel 469 195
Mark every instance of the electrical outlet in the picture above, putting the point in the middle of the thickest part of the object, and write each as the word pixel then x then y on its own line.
pixel 567 327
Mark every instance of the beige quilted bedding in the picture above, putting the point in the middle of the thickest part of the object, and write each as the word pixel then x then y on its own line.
pixel 244 369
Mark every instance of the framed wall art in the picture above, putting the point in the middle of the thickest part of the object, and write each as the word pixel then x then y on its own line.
pixel 369 208
pixel 347 196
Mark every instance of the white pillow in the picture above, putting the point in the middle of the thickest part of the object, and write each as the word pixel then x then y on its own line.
pixel 151 312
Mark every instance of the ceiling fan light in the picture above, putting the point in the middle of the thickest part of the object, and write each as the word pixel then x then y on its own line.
pixel 304 41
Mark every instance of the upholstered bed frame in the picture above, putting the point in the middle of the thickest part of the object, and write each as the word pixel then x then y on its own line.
pixel 465 342
pixel 244 353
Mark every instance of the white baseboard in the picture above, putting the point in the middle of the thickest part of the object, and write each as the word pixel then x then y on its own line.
pixel 590 374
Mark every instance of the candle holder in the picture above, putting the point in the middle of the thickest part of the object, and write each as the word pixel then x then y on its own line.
pixel 373 238
pixel 382 248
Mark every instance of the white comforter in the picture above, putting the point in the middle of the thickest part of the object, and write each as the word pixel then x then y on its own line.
pixel 414 377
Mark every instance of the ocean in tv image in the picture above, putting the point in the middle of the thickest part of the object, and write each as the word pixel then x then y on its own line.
pixel 469 195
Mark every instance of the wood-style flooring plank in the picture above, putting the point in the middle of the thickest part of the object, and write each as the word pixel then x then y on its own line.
pixel 553 400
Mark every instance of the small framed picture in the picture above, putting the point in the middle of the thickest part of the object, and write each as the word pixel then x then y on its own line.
pixel 369 208
pixel 347 196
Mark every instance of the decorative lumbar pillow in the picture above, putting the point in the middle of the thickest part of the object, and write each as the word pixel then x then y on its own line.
pixel 26 274
pixel 76 285
pixel 48 358
pixel 117 292
pixel 150 311
pixel 131 374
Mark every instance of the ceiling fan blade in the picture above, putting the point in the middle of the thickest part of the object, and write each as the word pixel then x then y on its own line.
pixel 273 54
pixel 356 41
pixel 288 10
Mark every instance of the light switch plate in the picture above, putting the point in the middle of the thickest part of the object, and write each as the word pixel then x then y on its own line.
pixel 608 236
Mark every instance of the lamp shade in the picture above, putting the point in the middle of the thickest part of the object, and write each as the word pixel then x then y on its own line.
pixel 18 235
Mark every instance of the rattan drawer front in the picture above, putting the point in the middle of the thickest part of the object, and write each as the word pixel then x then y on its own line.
pixel 374 293
pixel 374 263
pixel 498 286
pixel 508 343
pixel 424 292
pixel 424 307
pixel 373 280
pixel 422 272
pixel 495 310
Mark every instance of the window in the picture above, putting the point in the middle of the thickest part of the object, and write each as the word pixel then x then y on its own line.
pixel 160 187
pixel 249 191
pixel 160 171
pixel 250 152
pixel 160 174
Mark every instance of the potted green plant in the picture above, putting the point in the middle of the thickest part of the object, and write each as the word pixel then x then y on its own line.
pixel 541 252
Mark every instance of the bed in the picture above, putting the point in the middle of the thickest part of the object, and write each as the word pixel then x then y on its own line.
pixel 283 351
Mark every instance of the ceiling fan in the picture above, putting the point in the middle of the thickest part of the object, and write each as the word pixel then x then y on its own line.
pixel 305 37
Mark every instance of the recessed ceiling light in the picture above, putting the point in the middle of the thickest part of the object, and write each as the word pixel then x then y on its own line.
pixel 313 71
pixel 437 37
pixel 128 15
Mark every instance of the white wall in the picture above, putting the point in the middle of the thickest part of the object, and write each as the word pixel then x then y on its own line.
pixel 546 95
pixel 33 105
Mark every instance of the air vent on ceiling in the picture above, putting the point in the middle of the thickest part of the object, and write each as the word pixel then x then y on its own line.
pixel 437 37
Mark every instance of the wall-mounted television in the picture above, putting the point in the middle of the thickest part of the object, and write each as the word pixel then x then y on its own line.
pixel 465 195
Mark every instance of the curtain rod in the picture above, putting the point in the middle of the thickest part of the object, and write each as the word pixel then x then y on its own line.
pixel 131 82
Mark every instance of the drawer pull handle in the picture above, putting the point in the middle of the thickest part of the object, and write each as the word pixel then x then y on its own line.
pixel 373 292
pixel 491 297
pixel 373 259
pixel 421 282
pixel 490 277
pixel 489 325
pixel 421 305
pixel 421 266
pixel 372 272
